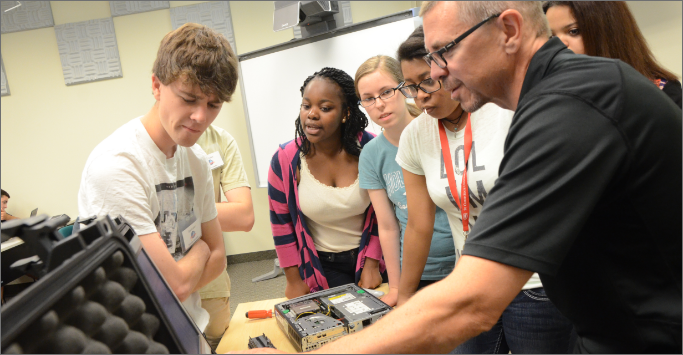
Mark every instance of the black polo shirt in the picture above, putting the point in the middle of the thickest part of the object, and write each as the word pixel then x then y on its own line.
pixel 589 196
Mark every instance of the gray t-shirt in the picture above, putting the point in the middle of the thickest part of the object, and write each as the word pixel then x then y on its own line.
pixel 377 169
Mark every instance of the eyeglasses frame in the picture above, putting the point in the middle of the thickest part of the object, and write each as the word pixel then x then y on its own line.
pixel 429 58
pixel 378 97
pixel 418 86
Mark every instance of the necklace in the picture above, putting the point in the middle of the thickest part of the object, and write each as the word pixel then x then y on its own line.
pixel 456 122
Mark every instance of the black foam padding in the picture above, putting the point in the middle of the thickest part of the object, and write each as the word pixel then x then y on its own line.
pixel 13 348
pixel 112 332
pixel 110 295
pixel 88 317
pixel 70 302
pixel 65 340
pixel 113 262
pixel 148 325
pixel 95 347
pixel 156 348
pixel 47 323
pixel 131 309
pixel 109 311
pixel 92 282
pixel 134 343
pixel 45 326
pixel 125 276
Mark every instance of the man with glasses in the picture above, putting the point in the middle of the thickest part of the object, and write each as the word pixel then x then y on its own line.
pixel 592 149
pixel 589 193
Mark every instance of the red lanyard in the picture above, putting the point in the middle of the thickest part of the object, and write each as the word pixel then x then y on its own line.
pixel 463 202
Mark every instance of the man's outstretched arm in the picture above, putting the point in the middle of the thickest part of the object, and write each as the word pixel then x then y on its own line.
pixel 441 316
pixel 444 315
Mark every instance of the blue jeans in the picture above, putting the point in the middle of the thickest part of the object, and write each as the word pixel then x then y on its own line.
pixel 530 324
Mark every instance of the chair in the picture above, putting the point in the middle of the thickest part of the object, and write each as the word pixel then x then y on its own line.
pixel 271 275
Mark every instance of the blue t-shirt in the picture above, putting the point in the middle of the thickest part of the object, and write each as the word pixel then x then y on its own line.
pixel 377 169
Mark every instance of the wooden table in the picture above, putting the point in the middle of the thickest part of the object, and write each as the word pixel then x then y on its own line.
pixel 241 328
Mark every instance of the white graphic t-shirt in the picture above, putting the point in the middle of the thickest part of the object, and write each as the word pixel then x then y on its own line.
pixel 420 153
pixel 128 175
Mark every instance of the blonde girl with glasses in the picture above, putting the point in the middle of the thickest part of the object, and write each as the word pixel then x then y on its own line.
pixel 379 86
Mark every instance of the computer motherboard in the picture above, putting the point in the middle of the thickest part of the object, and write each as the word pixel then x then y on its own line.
pixel 313 320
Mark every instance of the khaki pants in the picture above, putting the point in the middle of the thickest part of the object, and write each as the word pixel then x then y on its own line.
pixel 219 312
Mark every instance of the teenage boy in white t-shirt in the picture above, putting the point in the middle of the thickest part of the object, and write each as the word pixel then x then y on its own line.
pixel 151 171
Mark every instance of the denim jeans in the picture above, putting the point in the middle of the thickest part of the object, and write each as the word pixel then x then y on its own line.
pixel 340 268
pixel 530 324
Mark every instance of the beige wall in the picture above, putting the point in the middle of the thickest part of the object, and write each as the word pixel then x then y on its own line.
pixel 47 129
pixel 368 10
pixel 660 23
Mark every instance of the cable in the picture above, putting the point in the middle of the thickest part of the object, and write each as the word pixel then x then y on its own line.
pixel 301 314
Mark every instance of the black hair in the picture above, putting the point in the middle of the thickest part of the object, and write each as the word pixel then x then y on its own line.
pixel 413 47
pixel 356 120
pixel 4 193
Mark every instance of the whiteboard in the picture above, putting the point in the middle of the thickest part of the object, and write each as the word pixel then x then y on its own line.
pixel 270 82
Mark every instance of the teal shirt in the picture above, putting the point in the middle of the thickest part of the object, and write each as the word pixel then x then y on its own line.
pixel 377 169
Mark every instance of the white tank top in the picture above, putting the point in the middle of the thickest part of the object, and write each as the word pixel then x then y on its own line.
pixel 335 216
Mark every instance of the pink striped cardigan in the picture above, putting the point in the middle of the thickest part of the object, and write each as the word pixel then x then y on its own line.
pixel 293 242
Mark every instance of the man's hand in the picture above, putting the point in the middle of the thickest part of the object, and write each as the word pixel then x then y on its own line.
pixel 370 276
pixel 391 298
pixel 296 289
pixel 4 215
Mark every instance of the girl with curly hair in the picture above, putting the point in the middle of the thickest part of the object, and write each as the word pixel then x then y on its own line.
pixel 323 224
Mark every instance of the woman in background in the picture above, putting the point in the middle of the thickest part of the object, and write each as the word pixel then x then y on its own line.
pixel 608 29
pixel 378 81
pixel 531 323
pixel 322 221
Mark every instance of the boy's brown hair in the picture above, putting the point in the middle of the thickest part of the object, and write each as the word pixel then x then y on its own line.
pixel 199 56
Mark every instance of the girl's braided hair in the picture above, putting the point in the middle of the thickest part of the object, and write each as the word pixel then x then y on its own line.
pixel 356 120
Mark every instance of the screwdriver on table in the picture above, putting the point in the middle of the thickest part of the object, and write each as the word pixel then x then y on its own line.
pixel 259 314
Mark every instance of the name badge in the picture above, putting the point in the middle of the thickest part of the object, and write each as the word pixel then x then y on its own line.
pixel 191 235
pixel 215 160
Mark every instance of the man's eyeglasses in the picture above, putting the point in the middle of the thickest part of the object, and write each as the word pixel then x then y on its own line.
pixel 437 57
pixel 428 86
pixel 385 95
